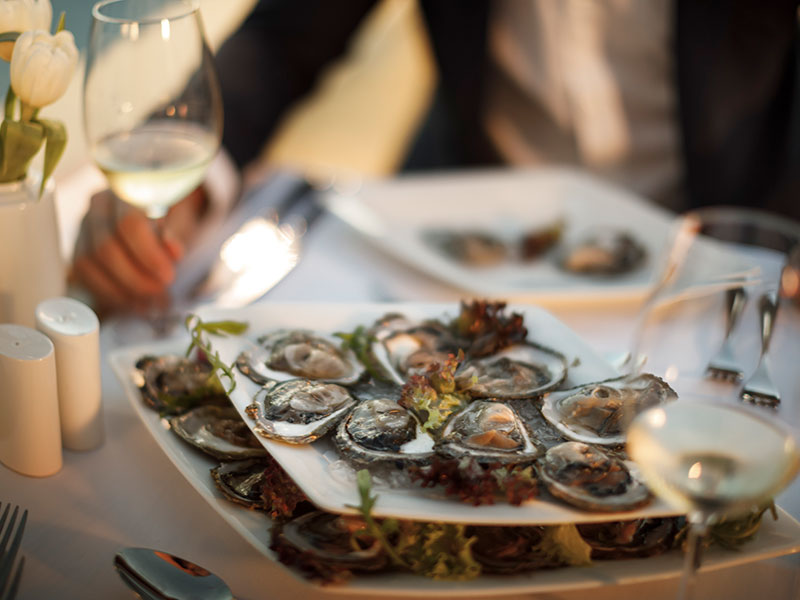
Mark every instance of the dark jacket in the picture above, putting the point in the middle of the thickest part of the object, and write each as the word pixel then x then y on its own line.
pixel 737 77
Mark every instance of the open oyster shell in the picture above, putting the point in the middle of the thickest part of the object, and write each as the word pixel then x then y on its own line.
pixel 380 430
pixel 519 371
pixel 489 432
pixel 328 538
pixel 218 431
pixel 298 353
pixel 403 347
pixel 600 413
pixel 299 411
pixel 242 481
pixel 603 252
pixel 587 477
pixel 171 384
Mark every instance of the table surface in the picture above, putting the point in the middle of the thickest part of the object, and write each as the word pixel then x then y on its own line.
pixel 127 493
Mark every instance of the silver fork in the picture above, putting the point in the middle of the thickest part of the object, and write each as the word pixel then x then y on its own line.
pixel 723 365
pixel 759 388
pixel 9 583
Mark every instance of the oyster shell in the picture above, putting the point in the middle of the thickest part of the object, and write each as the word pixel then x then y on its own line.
pixel 299 411
pixel 242 481
pixel 519 371
pixel 629 539
pixel 298 353
pixel 587 477
pixel 600 413
pixel 489 432
pixel 471 248
pixel 379 430
pixel 404 348
pixel 604 252
pixel 328 538
pixel 218 431
pixel 172 384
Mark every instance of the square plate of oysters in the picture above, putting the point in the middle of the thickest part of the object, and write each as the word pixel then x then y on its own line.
pixel 409 392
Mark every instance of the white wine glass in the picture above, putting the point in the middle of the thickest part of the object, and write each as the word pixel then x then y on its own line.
pixel 152 102
pixel 711 454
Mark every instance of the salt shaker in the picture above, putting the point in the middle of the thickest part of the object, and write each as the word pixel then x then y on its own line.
pixel 74 330
pixel 30 430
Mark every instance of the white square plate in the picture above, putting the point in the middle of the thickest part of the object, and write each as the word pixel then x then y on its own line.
pixel 308 465
pixel 394 214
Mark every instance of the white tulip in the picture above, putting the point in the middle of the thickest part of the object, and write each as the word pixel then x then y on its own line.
pixel 22 15
pixel 42 66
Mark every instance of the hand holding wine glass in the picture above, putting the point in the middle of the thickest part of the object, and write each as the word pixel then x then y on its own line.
pixel 152 112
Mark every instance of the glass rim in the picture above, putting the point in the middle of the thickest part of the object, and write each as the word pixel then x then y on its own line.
pixel 192 7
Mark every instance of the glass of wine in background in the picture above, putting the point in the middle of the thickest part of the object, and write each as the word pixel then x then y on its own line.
pixel 711 323
pixel 152 103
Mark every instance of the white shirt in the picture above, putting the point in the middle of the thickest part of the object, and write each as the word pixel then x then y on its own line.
pixel 590 84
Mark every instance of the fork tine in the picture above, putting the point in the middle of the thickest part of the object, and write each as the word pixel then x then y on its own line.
pixel 11 592
pixel 7 558
pixel 9 530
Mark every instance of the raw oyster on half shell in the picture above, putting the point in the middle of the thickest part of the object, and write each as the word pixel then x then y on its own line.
pixel 587 477
pixel 489 432
pixel 242 481
pixel 172 384
pixel 600 413
pixel 298 411
pixel 379 430
pixel 219 431
pixel 604 252
pixel 519 371
pixel 298 353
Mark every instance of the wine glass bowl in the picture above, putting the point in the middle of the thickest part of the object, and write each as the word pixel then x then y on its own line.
pixel 704 329
pixel 152 104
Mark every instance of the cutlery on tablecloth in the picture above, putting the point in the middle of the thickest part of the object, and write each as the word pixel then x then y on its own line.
pixel 157 575
pixel 10 577
pixel 723 365
pixel 759 388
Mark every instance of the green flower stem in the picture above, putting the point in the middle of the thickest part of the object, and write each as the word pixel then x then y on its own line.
pixel 62 21
pixel 11 99
pixel 28 112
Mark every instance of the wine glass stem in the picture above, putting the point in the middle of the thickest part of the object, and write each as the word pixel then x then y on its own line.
pixel 691 560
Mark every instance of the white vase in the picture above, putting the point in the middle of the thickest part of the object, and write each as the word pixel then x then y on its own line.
pixel 32 268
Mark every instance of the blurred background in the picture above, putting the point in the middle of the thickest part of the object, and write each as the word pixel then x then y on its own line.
pixel 358 120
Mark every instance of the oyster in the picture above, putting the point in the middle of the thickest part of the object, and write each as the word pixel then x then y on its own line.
pixel 299 411
pixel 470 248
pixel 327 540
pixel 404 348
pixel 601 412
pixel 381 430
pixel 489 432
pixel 218 431
pixel 287 354
pixel 172 384
pixel 242 481
pixel 587 477
pixel 604 252
pixel 629 539
pixel 519 371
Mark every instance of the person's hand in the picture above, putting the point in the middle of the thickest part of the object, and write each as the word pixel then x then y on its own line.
pixel 121 258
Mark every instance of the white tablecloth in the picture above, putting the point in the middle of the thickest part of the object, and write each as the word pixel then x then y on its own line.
pixel 127 493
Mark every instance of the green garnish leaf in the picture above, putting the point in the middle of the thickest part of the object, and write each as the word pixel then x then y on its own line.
pixel 197 328
pixel 360 342
pixel 565 545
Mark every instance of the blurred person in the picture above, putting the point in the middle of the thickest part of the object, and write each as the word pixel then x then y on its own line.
pixel 684 102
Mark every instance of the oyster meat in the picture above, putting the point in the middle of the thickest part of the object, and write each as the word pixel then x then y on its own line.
pixel 489 432
pixel 298 411
pixel 587 477
pixel 519 371
pixel 380 430
pixel 172 384
pixel 604 252
pixel 287 354
pixel 470 248
pixel 218 431
pixel 600 413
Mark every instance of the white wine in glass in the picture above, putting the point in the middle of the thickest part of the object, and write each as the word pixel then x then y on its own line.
pixel 711 460
pixel 152 105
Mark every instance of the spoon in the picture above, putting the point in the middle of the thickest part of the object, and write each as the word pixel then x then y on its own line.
pixel 156 575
